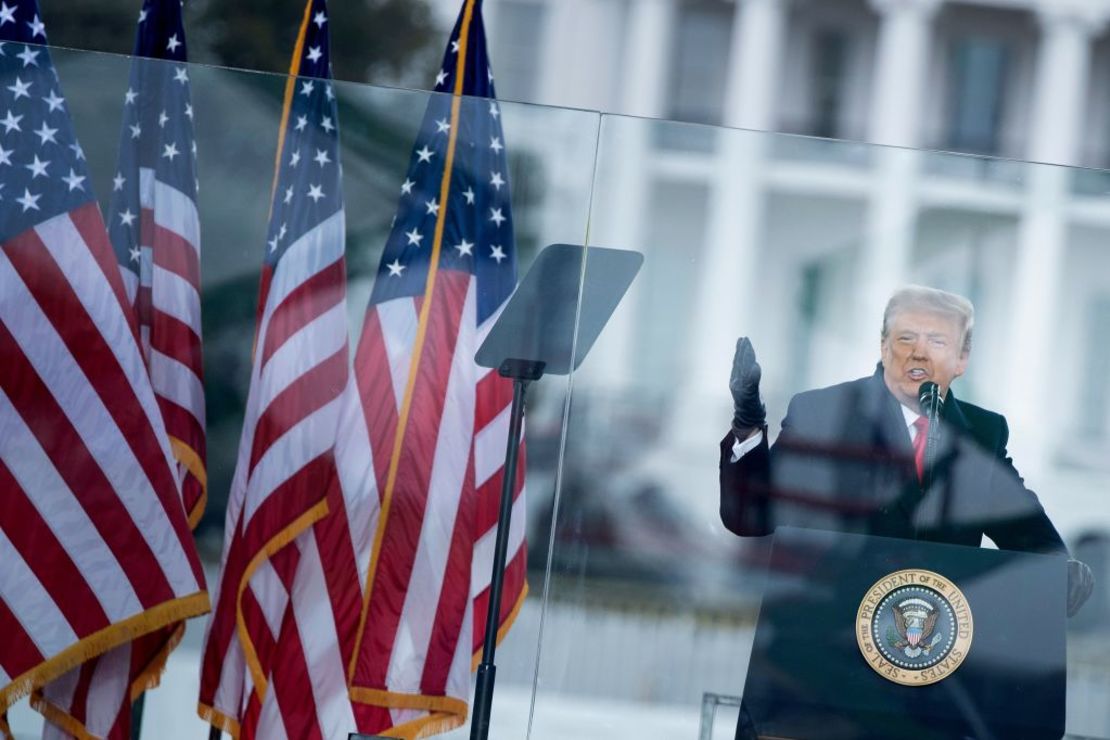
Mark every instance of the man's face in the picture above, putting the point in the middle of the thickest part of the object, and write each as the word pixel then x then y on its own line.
pixel 921 346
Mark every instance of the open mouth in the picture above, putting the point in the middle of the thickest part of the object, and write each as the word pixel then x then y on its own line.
pixel 917 374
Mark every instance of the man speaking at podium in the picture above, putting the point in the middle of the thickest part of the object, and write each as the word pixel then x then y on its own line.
pixel 894 454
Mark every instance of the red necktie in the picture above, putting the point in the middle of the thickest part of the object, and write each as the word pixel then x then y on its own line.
pixel 922 425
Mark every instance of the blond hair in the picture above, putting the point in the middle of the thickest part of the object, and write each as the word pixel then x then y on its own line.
pixel 932 300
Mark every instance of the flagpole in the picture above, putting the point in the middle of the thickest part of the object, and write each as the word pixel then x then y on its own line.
pixel 214 732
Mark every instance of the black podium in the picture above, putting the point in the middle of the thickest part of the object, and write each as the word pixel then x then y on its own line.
pixel 872 637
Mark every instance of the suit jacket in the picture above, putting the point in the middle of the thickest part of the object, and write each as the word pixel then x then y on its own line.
pixel 844 461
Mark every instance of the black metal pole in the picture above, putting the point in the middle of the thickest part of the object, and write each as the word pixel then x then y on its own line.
pixel 483 686
pixel 137 716
pixel 214 733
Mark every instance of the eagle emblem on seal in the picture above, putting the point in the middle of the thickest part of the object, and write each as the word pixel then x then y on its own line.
pixel 914 621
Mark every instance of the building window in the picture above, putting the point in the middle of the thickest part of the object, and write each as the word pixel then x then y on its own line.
pixel 696 89
pixel 977 80
pixel 1094 400
pixel 829 77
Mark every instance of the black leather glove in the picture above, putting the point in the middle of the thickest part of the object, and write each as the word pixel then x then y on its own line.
pixel 749 413
pixel 1081 582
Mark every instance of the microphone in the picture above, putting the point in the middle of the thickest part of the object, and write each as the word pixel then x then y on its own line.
pixel 928 397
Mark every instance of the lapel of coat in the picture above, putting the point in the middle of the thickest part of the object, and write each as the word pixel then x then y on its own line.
pixel 887 421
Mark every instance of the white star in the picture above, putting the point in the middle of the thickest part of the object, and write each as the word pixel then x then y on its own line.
pixel 181 75
pixel 406 187
pixel 442 126
pixel 38 167
pixel 127 218
pixel 295 158
pixel 495 144
pixel 425 154
pixel 314 54
pixel 307 87
pixel 469 195
pixel 497 253
pixel 118 181
pixel 316 192
pixel 28 56
pixel 273 244
pixel 129 96
pixel 489 75
pixel 454 47
pixel 136 131
pixel 20 88
pixel 74 180
pixel 193 148
pixel 496 181
pixel 464 248
pixel 493 110
pixel 162 119
pixel 7 15
pixel 302 121
pixel 54 101
pixel 6 155
pixel 432 206
pixel 326 124
pixel 169 151
pixel 173 43
pixel 135 254
pixel 142 15
pixel 320 19
pixel 38 28
pixel 441 77
pixel 46 134
pixel 496 216
pixel 328 92
pixel 282 232
pixel 189 111
pixel 321 157
pixel 414 236
pixel 77 150
pixel 11 122
pixel 288 195
pixel 28 201
pixel 395 268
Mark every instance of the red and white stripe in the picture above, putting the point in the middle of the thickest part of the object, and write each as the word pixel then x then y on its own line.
pixel 426 614
pixel 92 532
pixel 167 306
pixel 285 470
pixel 166 302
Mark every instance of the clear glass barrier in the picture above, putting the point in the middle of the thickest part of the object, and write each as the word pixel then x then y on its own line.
pixel 647 624
pixel 551 156
pixel 798 243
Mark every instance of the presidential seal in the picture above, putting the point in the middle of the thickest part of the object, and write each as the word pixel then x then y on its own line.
pixel 914 627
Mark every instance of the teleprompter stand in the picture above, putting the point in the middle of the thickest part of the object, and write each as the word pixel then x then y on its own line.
pixel 548 326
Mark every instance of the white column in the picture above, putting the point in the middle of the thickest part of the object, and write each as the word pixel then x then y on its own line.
pixel 757 35
pixel 647 57
pixel 620 196
pixel 728 260
pixel 897 102
pixel 898 91
pixel 1058 105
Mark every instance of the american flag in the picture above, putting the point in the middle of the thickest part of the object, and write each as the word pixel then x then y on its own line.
pixel 434 424
pixel 271 665
pixel 94 540
pixel 153 225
